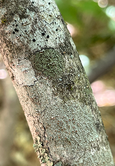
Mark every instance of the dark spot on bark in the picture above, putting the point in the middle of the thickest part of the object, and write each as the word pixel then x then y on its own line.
pixel 43 34
pixel 34 40
pixel 47 36
pixel 42 144
pixel 62 21
pixel 16 30
pixel 98 148
pixel 13 32
pixel 12 77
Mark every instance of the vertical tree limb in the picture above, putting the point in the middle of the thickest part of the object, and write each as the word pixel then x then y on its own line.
pixel 52 86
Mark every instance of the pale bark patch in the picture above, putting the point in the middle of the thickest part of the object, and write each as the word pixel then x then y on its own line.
pixel 23 72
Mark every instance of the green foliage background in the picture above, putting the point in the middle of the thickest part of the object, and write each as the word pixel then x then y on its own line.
pixel 91 23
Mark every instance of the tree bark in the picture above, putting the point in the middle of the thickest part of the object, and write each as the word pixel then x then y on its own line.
pixel 51 84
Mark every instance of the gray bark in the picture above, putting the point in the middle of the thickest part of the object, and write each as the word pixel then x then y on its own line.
pixel 51 84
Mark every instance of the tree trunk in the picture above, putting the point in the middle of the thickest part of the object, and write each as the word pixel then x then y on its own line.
pixel 51 84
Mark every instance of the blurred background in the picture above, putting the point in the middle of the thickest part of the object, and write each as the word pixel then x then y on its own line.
pixel 92 26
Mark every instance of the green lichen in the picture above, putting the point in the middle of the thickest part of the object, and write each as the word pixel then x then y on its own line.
pixel 35 146
pixel 86 95
pixel 58 164
pixel 49 62
pixel 88 90
pixel 65 86
pixel 41 152
pixel 3 20
pixel 66 82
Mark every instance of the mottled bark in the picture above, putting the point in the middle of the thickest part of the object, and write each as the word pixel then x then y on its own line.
pixel 51 84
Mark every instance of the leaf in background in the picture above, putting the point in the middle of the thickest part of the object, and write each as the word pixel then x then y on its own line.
pixel 69 11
